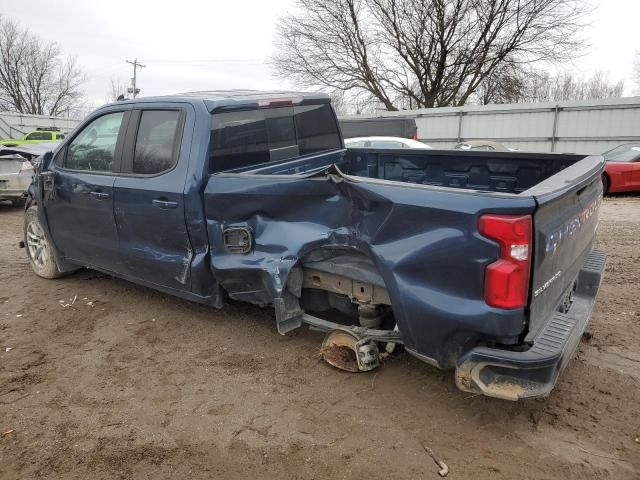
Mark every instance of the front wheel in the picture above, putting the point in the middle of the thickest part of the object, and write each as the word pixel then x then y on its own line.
pixel 38 247
pixel 605 185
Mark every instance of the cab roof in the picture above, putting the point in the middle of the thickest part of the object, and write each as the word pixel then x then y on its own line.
pixel 215 99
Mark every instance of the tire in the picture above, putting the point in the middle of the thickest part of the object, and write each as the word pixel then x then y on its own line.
pixel 17 202
pixel 38 246
pixel 605 184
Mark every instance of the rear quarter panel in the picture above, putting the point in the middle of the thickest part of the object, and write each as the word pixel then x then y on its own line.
pixel 423 240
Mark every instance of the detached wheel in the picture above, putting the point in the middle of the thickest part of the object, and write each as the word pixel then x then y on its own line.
pixel 605 184
pixel 38 246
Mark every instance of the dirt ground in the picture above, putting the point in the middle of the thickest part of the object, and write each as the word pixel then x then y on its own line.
pixel 131 383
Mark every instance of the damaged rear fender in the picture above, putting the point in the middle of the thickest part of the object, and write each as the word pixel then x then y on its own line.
pixel 423 243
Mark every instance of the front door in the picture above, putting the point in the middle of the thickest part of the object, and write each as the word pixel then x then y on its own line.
pixel 79 206
pixel 149 200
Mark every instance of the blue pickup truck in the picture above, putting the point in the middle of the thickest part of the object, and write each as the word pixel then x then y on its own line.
pixel 478 261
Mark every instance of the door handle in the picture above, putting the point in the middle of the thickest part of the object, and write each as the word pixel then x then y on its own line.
pixel 164 204
pixel 99 195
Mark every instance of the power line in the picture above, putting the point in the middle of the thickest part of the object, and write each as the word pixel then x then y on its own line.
pixel 213 60
pixel 135 64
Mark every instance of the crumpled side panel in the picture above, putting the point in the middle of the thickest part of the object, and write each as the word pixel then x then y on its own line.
pixel 423 241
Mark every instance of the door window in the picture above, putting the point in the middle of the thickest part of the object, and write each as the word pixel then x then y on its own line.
pixel 156 145
pixel 93 148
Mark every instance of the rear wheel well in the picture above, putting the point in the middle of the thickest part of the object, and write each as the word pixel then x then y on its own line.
pixel 345 284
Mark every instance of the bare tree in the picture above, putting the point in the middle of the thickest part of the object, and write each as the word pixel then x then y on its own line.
pixel 539 86
pixel 421 53
pixel 505 84
pixel 34 76
pixel 116 88
pixel 599 87
pixel 636 72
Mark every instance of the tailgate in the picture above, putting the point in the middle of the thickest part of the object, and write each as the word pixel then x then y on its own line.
pixel 564 223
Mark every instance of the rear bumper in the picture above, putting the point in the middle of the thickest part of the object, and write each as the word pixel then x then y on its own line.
pixel 513 375
pixel 14 185
pixel 11 194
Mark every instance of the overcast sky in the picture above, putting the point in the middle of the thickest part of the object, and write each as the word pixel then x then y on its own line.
pixel 195 45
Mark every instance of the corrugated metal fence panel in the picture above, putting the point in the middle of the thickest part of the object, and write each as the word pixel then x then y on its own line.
pixel 586 146
pixel 16 125
pixel 599 122
pixel 507 125
pixel 580 127
pixel 438 127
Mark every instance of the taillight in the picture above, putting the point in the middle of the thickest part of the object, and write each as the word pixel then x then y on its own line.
pixel 279 102
pixel 415 136
pixel 506 281
pixel 26 165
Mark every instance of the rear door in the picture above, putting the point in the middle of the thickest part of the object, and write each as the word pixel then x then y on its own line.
pixel 79 200
pixel 148 196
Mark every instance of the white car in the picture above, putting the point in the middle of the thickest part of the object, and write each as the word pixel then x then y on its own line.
pixel 383 142
pixel 484 145
pixel 17 168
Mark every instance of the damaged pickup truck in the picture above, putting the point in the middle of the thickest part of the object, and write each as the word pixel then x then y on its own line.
pixel 478 261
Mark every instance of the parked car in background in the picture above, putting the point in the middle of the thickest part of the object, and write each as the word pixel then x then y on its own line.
pixel 383 142
pixel 483 145
pixel 17 168
pixel 387 126
pixel 39 135
pixel 622 170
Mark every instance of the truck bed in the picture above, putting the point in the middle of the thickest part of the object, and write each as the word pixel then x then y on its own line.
pixel 500 172
pixel 415 214
pixel 508 172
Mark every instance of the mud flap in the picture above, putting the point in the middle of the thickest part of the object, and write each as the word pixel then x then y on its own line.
pixel 288 313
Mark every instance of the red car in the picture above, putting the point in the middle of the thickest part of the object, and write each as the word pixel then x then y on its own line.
pixel 622 172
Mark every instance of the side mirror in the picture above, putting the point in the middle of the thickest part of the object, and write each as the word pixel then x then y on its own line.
pixel 46 161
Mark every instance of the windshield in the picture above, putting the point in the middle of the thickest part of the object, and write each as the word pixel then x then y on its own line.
pixel 623 153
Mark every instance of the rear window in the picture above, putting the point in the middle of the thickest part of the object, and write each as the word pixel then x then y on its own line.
pixel 252 137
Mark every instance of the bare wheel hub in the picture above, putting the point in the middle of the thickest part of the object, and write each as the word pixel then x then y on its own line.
pixel 344 350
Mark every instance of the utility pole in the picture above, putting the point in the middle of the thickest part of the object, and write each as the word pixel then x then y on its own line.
pixel 135 64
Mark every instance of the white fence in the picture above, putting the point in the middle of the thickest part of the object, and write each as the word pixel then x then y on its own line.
pixel 16 125
pixel 579 127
